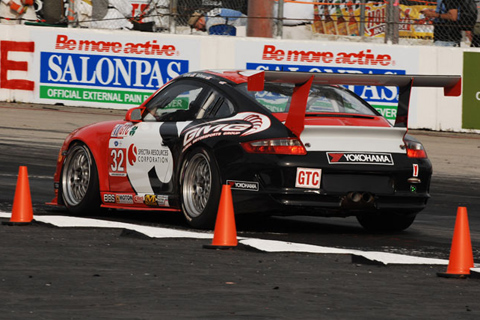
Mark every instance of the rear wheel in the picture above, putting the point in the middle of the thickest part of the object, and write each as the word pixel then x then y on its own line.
pixel 79 181
pixel 200 189
pixel 386 221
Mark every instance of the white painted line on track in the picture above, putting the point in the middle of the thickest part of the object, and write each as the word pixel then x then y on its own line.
pixel 259 244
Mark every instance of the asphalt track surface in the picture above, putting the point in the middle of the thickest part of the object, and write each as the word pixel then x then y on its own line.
pixel 47 272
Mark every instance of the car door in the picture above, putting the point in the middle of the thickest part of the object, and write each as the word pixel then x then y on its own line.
pixel 144 153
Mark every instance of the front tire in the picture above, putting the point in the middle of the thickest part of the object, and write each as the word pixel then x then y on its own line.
pixel 200 189
pixel 79 181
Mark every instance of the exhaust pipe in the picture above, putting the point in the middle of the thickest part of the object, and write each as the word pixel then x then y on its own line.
pixel 360 197
pixel 367 197
pixel 355 196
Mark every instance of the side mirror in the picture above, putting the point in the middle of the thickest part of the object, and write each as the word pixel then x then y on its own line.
pixel 134 114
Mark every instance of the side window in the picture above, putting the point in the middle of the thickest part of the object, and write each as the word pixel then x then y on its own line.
pixel 216 106
pixel 179 101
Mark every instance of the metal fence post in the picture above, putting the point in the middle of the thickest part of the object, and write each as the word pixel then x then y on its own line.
pixel 392 23
pixel 173 16
pixel 72 18
pixel 362 21
pixel 280 4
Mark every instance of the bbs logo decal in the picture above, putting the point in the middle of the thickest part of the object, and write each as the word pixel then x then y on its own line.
pixel 109 198
pixel 360 158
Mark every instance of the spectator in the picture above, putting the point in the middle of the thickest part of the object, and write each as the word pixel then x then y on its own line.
pixel 203 22
pixel 105 14
pixel 17 11
pixel 157 13
pixel 475 34
pixel 446 32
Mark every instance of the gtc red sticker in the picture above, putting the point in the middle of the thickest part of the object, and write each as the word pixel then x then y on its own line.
pixel 308 178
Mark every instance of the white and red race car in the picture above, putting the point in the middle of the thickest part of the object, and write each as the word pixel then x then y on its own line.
pixel 286 142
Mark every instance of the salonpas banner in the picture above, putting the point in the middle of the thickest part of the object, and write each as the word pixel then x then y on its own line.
pixel 331 57
pixel 118 69
pixel 471 91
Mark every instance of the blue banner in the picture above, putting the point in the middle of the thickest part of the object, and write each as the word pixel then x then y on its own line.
pixel 108 71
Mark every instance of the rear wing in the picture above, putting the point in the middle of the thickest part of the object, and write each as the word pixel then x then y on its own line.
pixel 452 85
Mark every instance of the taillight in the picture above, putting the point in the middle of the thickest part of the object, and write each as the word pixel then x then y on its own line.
pixel 415 150
pixel 291 146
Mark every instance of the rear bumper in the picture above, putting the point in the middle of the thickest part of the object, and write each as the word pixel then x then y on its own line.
pixel 290 202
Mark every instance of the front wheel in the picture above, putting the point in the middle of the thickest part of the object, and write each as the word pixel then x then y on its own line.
pixel 79 181
pixel 386 221
pixel 200 189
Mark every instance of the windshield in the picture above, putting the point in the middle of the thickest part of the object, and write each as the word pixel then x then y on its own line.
pixel 276 97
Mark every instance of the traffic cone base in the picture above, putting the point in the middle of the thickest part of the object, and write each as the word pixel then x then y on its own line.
pixel 22 211
pixel 461 254
pixel 225 233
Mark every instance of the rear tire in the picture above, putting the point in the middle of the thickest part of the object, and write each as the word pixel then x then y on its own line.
pixel 200 189
pixel 386 221
pixel 79 181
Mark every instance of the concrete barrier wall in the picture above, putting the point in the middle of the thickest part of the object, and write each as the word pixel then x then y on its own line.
pixel 119 69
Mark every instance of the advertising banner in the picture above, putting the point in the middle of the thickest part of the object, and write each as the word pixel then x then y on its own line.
pixel 471 91
pixel 331 58
pixel 119 69
pixel 343 18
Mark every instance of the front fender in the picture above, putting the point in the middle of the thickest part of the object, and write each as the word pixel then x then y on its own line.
pixel 95 137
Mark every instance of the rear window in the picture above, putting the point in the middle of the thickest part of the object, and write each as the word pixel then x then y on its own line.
pixel 276 97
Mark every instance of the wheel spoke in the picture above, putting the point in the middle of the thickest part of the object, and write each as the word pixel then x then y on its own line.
pixel 77 176
pixel 197 185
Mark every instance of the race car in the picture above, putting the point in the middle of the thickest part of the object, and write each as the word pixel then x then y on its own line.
pixel 287 143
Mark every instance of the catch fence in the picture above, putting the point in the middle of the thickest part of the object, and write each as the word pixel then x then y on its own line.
pixel 389 21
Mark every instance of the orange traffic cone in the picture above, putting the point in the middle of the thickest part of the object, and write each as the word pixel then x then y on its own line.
pixel 225 234
pixel 461 254
pixel 22 212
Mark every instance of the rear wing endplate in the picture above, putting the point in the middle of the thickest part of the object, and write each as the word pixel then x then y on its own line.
pixel 452 86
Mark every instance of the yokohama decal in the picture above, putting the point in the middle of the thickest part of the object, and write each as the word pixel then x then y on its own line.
pixel 359 158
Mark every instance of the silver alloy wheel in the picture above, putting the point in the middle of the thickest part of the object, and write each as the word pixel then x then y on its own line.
pixel 76 176
pixel 197 185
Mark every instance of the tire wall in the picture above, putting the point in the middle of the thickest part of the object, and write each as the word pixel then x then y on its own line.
pixel 119 69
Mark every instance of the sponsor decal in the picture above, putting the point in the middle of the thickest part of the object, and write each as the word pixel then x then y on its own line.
pixel 109 198
pixel 146 155
pixel 243 185
pixel 138 199
pixel 308 178
pixel 115 143
pixel 124 198
pixel 132 154
pixel 121 130
pixel 252 123
pixel 415 170
pixel 150 200
pixel 132 132
pixel 359 158
pixel 162 201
